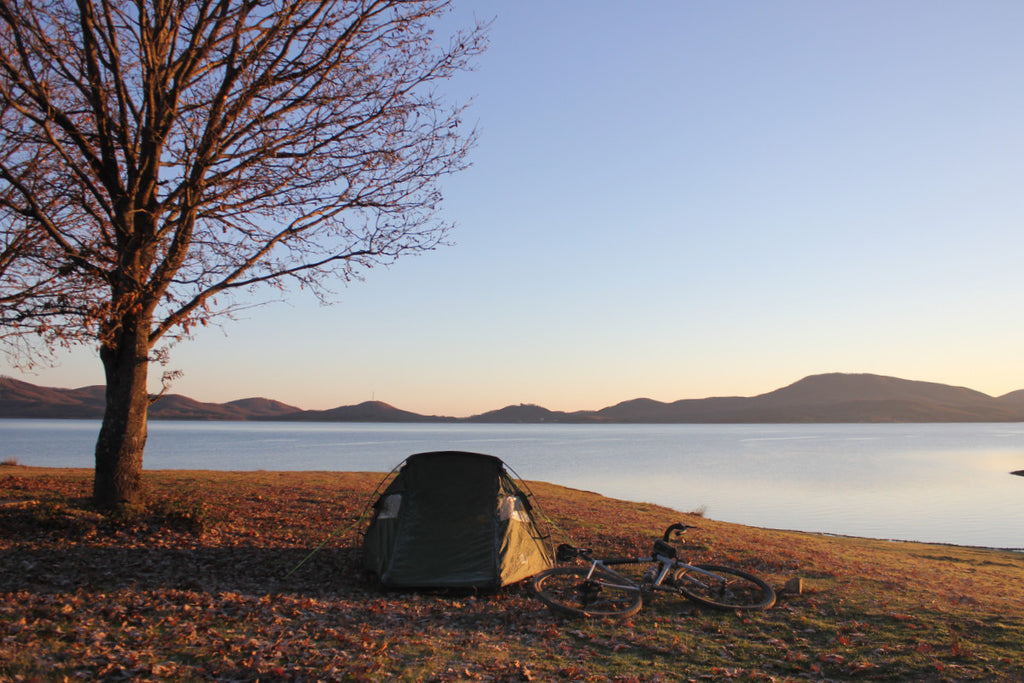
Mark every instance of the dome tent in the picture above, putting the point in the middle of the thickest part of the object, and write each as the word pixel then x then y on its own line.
pixel 451 519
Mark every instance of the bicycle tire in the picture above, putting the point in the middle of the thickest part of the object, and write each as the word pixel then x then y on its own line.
pixel 734 590
pixel 569 591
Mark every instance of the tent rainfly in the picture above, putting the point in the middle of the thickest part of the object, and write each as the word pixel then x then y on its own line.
pixel 451 519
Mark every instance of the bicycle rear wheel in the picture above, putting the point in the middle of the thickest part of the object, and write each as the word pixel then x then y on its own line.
pixel 724 588
pixel 570 591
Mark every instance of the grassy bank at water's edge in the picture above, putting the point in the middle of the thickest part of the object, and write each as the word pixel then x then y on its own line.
pixel 195 588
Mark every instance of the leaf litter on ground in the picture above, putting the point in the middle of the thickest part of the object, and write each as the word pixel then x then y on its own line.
pixel 209 582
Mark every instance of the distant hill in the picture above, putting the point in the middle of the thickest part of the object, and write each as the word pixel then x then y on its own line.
pixel 1015 399
pixel 177 407
pixel 24 400
pixel 368 411
pixel 834 397
pixel 528 413
pixel 21 399
pixel 263 407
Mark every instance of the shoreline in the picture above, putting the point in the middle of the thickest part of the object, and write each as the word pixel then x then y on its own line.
pixel 85 471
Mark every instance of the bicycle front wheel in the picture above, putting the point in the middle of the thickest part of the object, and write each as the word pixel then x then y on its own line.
pixel 724 587
pixel 569 590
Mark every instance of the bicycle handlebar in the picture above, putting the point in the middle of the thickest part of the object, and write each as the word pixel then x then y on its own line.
pixel 678 526
pixel 567 552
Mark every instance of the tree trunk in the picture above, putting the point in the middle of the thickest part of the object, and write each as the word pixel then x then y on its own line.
pixel 118 477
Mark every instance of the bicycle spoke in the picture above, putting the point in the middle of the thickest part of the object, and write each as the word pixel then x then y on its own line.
pixel 569 590
pixel 724 587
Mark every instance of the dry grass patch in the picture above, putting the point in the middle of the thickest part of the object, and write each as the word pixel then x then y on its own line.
pixel 195 587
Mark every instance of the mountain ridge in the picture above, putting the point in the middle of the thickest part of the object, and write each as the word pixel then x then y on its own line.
pixel 829 397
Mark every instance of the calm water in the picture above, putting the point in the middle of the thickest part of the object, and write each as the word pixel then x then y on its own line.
pixel 946 483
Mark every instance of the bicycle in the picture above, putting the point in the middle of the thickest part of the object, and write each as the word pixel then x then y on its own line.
pixel 600 591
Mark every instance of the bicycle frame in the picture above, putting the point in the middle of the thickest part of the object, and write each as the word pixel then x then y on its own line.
pixel 667 565
pixel 578 590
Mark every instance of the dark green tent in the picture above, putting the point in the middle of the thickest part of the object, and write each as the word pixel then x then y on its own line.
pixel 451 519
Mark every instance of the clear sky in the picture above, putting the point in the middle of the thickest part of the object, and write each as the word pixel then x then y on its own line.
pixel 682 199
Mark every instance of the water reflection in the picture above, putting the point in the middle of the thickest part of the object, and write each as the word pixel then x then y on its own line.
pixel 945 483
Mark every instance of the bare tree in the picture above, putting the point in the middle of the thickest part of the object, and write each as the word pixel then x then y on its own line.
pixel 158 155
pixel 34 300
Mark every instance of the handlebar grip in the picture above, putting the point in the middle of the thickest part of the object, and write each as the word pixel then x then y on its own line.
pixel 678 526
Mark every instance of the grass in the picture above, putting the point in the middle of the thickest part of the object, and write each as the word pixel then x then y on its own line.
pixel 194 588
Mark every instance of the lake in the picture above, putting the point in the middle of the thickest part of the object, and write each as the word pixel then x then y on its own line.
pixel 946 483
